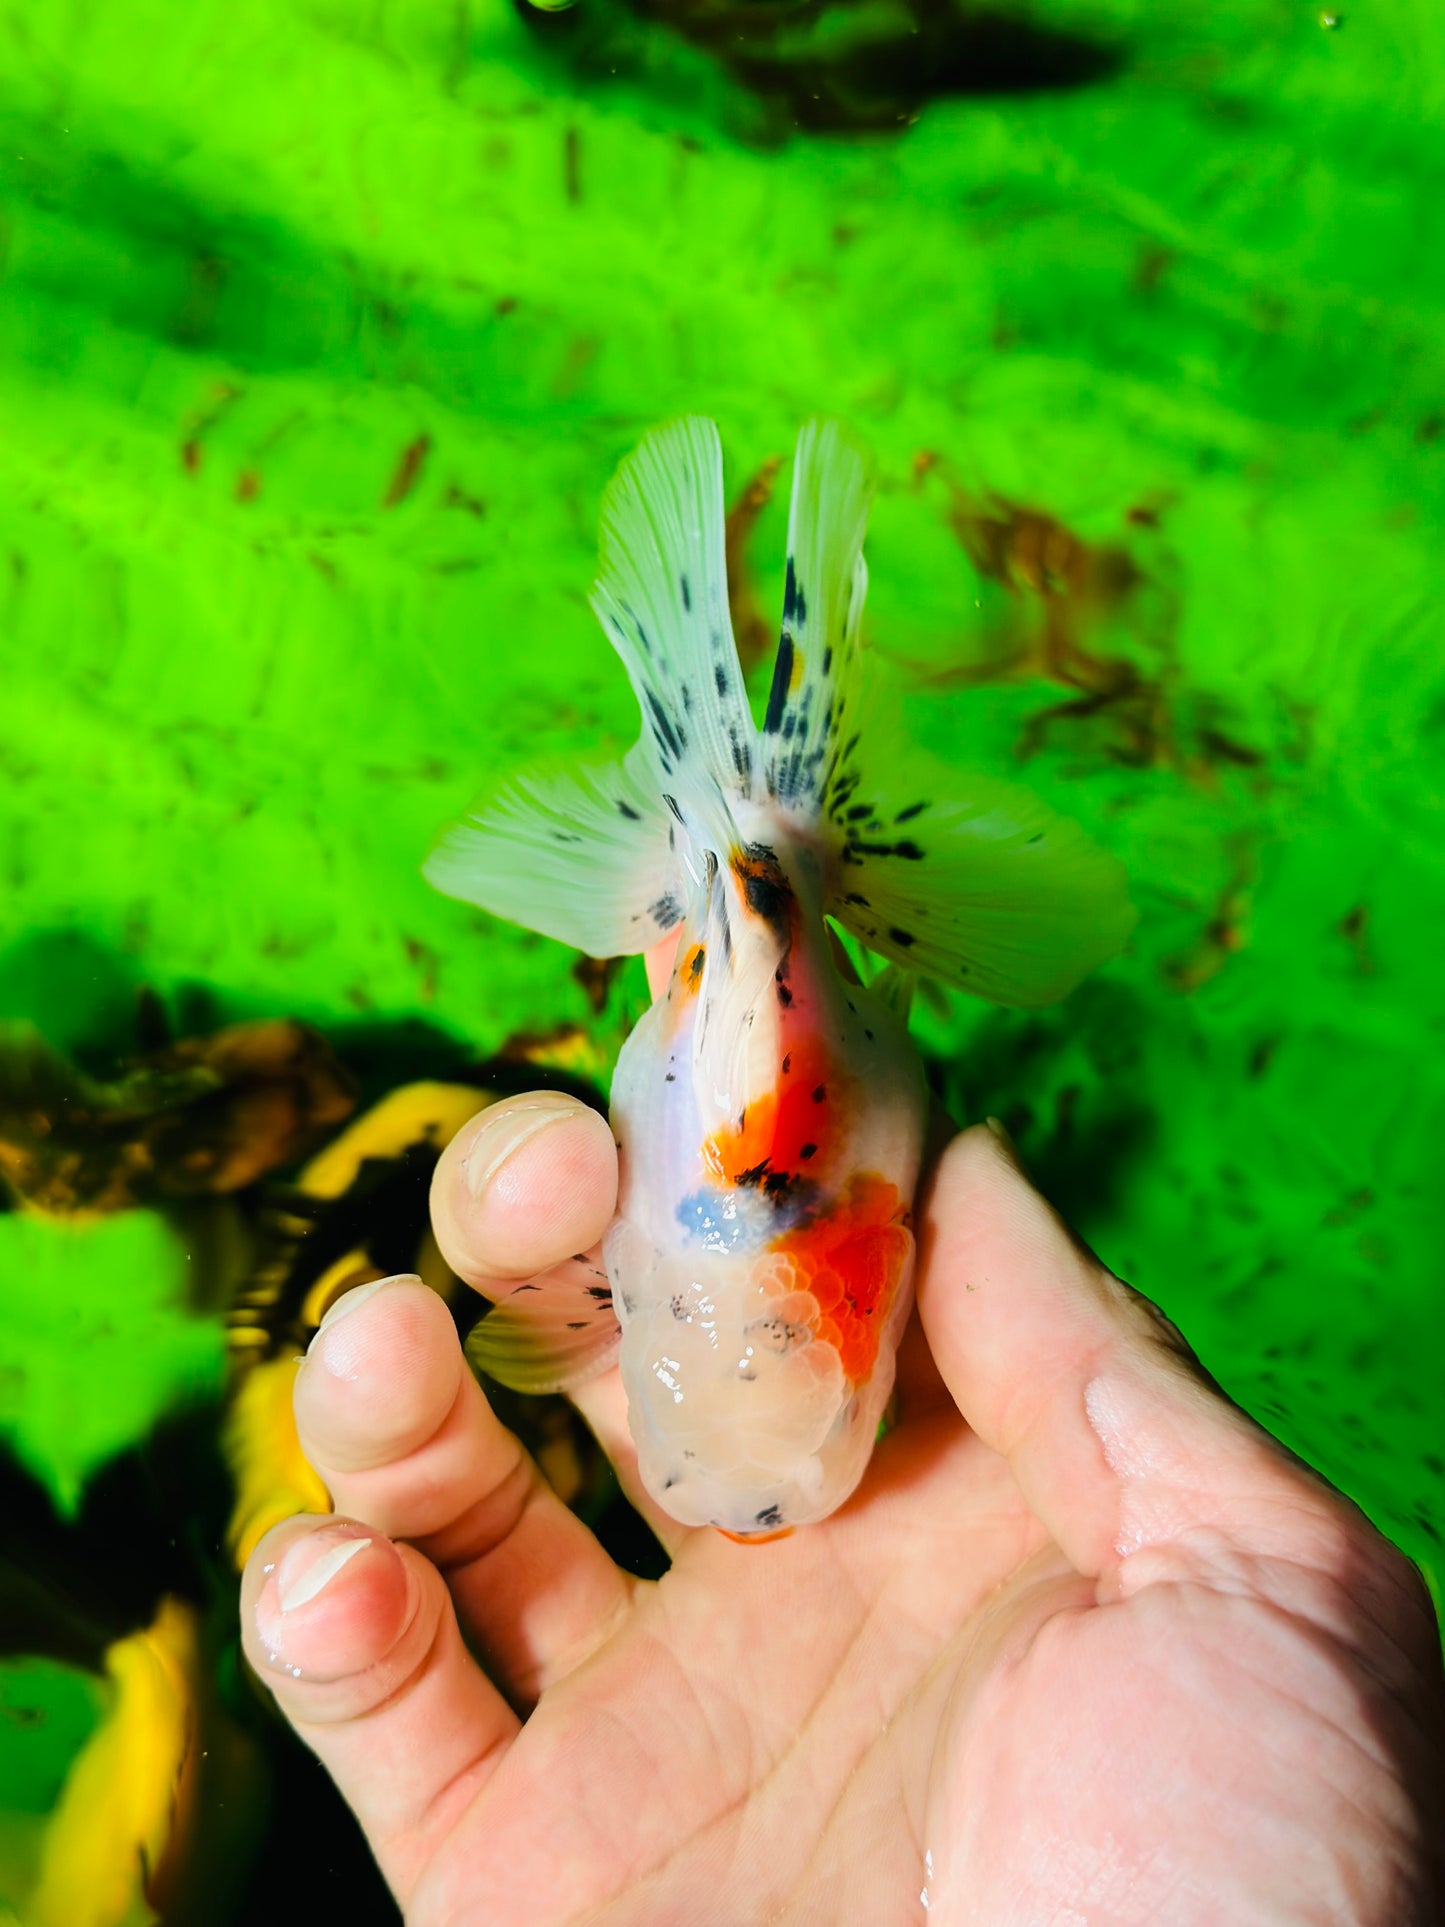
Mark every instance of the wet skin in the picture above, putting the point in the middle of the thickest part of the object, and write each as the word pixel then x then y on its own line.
pixel 1085 1647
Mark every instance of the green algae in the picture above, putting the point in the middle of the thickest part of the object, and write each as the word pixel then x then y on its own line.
pixel 322 328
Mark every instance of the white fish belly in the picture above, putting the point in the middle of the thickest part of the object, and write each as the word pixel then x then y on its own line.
pixel 742 1417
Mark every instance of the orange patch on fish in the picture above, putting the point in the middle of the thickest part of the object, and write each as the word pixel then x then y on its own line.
pixel 791 1128
pixel 755 1538
pixel 852 1261
pixel 688 974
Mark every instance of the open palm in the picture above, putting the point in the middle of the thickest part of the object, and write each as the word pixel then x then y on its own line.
pixel 1085 1648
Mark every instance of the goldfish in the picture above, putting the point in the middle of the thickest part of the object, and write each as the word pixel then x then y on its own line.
pixel 769 1108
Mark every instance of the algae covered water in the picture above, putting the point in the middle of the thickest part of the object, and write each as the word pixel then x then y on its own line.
pixel 322 327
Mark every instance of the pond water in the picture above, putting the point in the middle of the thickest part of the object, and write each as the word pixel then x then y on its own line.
pixel 322 327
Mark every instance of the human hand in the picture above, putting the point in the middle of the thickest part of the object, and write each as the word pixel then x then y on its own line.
pixel 1086 1647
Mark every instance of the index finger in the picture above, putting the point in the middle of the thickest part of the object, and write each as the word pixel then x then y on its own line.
pixel 525 1184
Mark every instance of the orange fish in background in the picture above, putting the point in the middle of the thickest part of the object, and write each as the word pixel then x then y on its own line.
pixel 770 1114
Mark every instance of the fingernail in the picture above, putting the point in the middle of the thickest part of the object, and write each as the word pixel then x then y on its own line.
pixel 352 1300
pixel 999 1130
pixel 310 1565
pixel 500 1137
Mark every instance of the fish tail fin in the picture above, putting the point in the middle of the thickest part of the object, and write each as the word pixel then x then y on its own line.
pixel 591 856
pixel 661 595
pixel 816 672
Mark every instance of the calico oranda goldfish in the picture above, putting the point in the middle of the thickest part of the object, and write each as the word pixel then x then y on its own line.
pixel 769 1109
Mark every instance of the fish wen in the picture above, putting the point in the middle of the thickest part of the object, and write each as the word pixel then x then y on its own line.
pixel 769 1109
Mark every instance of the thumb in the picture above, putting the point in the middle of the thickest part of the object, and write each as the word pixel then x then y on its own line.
pixel 1120 1445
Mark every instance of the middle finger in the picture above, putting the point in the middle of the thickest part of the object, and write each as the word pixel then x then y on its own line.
pixel 402 1434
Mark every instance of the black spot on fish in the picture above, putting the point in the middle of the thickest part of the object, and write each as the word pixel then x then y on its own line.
pixel 602 1293
pixel 665 912
pixel 576 1324
pixel 906 849
pixel 785 996
pixel 1037 837
pixel 820 1094
pixel 787 1063
pixel 782 677
pixel 770 1516
pixel 699 957
pixel 913 809
pixel 686 592
pixel 827 665
pixel 808 1150
pixel 903 938
pixel 754 1175
pixel 720 677
pixel 670 1078
pixel 671 802
pixel 626 809
pixel 790 592
pixel 766 889
pixel 670 735
pixel 862 902
pixel 858 811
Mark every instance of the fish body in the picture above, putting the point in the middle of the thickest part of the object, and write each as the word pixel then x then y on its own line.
pixel 769 1110
pixel 761 1261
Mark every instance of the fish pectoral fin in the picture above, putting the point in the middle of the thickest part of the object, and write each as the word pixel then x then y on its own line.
pixel 550 1332
pixel 971 880
pixel 583 855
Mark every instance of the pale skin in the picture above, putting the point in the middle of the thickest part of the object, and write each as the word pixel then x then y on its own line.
pixel 1087 1649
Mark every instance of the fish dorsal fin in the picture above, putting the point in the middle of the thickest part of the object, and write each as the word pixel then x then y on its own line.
pixel 661 594
pixel 815 676
pixel 583 855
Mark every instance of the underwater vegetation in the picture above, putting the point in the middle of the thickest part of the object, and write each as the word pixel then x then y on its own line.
pixel 322 327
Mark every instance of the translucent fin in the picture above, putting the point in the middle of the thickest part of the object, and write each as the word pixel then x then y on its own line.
pixel 584 856
pixel 973 881
pixel 549 1333
pixel 894 987
pixel 661 595
pixel 815 676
